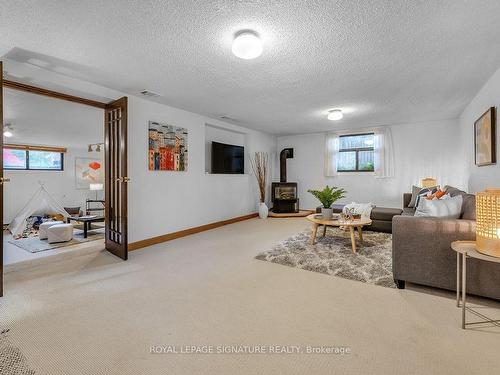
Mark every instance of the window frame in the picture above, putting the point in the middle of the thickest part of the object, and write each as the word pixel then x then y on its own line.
pixel 356 150
pixel 27 150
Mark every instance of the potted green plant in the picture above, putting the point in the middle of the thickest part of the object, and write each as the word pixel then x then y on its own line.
pixel 327 197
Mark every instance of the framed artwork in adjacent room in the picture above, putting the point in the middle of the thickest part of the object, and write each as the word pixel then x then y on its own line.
pixel 168 147
pixel 88 171
pixel 485 138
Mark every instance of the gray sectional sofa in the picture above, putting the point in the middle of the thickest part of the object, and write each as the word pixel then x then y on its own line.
pixel 421 251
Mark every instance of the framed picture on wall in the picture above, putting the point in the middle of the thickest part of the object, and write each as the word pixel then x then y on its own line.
pixel 88 171
pixel 168 147
pixel 485 138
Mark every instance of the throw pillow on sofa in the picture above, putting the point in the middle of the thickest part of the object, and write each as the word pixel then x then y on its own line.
pixel 450 208
pixel 437 195
pixel 425 192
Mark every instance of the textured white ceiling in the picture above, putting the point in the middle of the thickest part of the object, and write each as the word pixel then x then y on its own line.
pixel 385 61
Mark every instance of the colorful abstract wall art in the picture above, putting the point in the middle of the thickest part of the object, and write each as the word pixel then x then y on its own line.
pixel 88 171
pixel 168 147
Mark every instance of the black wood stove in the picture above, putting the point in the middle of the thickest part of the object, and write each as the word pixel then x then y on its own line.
pixel 284 194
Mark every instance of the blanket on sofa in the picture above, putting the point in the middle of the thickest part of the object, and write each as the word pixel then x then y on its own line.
pixel 363 209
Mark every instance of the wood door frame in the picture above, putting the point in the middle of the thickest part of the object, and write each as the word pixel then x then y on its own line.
pixel 43 92
pixel 1 178
pixel 51 94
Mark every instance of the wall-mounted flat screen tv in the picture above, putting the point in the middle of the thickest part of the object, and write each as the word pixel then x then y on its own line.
pixel 228 159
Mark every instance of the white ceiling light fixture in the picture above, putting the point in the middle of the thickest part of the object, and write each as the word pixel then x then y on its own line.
pixel 8 131
pixel 247 45
pixel 335 115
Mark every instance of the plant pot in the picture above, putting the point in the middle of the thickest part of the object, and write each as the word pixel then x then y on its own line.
pixel 263 210
pixel 327 213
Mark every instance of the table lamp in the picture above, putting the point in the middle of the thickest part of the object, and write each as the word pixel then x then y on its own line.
pixel 428 182
pixel 96 188
pixel 488 222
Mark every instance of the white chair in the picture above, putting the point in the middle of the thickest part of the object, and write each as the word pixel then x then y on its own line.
pixel 42 231
pixel 60 233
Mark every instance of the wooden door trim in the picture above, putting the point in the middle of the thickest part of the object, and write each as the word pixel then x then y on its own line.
pixel 51 94
pixel 1 176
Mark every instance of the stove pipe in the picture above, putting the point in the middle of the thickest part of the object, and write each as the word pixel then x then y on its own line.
pixel 286 153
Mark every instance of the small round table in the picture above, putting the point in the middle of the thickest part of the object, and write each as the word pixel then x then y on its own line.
pixel 467 249
pixel 317 220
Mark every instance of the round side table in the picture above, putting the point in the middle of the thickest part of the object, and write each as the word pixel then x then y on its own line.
pixel 465 250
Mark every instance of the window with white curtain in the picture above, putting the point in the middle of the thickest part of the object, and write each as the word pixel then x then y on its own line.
pixel 356 153
pixel 367 151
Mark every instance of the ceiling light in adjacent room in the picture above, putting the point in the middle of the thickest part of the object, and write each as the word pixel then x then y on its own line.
pixel 247 45
pixel 335 114
pixel 8 131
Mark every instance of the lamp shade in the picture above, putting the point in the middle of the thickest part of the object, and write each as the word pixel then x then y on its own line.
pixel 428 182
pixel 96 187
pixel 488 222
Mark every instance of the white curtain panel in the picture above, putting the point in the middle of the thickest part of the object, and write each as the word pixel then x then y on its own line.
pixel 383 153
pixel 331 154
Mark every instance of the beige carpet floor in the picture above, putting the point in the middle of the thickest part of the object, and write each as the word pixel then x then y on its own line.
pixel 99 315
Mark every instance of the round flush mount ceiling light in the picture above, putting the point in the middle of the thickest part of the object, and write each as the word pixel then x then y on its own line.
pixel 247 45
pixel 7 131
pixel 335 115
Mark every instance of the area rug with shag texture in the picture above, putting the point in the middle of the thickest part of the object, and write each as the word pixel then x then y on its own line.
pixel 332 255
pixel 12 360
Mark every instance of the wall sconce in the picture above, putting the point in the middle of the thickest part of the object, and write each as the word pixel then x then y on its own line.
pixel 8 131
pixel 488 222
pixel 97 147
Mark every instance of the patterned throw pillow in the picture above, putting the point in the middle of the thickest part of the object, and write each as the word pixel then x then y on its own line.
pixel 417 191
pixel 437 195
pixel 424 193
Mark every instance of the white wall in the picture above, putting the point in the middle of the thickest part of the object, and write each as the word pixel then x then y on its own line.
pixel 480 178
pixel 161 202
pixel 60 185
pixel 421 150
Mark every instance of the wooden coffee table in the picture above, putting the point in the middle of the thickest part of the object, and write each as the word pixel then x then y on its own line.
pixel 358 223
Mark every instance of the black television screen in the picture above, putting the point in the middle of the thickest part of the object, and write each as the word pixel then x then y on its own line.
pixel 228 159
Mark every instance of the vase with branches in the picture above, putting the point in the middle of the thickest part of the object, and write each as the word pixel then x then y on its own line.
pixel 327 197
pixel 260 164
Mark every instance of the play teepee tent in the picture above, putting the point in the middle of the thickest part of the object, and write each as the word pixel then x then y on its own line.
pixel 40 203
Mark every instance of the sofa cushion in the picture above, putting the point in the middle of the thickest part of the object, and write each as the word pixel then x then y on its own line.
pixel 468 207
pixel 453 191
pixel 450 208
pixel 418 192
pixel 384 214
pixel 408 211
pixel 414 194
